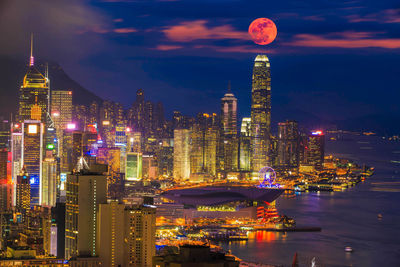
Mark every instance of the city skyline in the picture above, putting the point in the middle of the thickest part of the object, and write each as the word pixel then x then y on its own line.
pixel 157 164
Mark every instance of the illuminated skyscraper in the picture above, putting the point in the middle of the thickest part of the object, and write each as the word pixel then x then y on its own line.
pixel 5 180
pixel 203 149
pixel 181 154
pixel 112 158
pixel 245 141
pixel 33 94
pixel 61 113
pixel 315 149
pixel 260 113
pixel 94 113
pixel 72 149
pixel 110 237
pixel 85 191
pixel 229 113
pixel 136 112
pixel 32 151
pixel 288 144
pixel 23 192
pixel 16 153
pixel 165 156
pixel 133 166
pixel 229 140
pixel 134 142
pixel 4 133
pixel 140 229
pixel 50 180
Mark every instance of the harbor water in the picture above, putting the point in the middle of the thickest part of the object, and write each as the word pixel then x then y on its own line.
pixel 348 218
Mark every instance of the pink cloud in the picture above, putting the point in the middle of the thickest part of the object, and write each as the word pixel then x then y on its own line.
pixel 196 30
pixel 118 20
pixel 385 16
pixel 168 47
pixel 392 15
pixel 234 49
pixel 357 40
pixel 124 30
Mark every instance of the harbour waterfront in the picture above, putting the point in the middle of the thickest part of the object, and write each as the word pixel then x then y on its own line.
pixel 348 218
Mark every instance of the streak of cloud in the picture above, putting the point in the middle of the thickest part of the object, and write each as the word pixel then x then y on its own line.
pixel 189 31
pixel 357 40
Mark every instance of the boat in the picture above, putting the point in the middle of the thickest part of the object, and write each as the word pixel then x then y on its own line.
pixel 348 249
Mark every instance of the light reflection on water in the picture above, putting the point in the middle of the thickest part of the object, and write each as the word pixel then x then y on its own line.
pixel 347 218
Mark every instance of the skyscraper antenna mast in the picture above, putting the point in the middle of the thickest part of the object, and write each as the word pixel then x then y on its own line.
pixel 31 60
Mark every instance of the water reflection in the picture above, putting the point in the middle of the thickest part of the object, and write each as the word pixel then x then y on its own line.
pixel 348 218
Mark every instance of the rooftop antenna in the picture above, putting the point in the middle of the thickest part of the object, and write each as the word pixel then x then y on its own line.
pixel 31 60
pixel 229 86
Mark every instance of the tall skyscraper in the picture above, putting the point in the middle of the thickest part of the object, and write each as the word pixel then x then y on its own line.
pixel 85 191
pixel 32 155
pixel 140 229
pixel 260 113
pixel 110 237
pixel 315 149
pixel 61 113
pixel 16 153
pixel 72 149
pixel 33 94
pixel 126 234
pixel 203 148
pixel 229 140
pixel 23 192
pixel 50 180
pixel 136 112
pixel 5 180
pixel 4 133
pixel 181 154
pixel 133 168
pixel 288 144
pixel 245 142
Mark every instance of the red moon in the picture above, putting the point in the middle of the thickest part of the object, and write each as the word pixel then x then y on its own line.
pixel 263 31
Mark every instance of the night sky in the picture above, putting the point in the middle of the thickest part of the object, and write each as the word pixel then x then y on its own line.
pixel 332 59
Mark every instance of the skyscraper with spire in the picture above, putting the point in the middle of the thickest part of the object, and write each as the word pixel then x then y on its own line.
pixel 260 113
pixel 229 138
pixel 33 94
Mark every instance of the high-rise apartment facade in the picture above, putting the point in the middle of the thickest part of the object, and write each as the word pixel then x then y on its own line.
pixel 245 145
pixel 61 113
pixel 229 140
pixel 288 145
pixel 32 155
pixel 181 154
pixel 126 234
pixel 50 180
pixel 140 229
pixel 85 191
pixel 315 149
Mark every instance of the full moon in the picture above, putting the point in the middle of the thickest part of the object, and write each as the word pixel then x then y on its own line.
pixel 263 31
